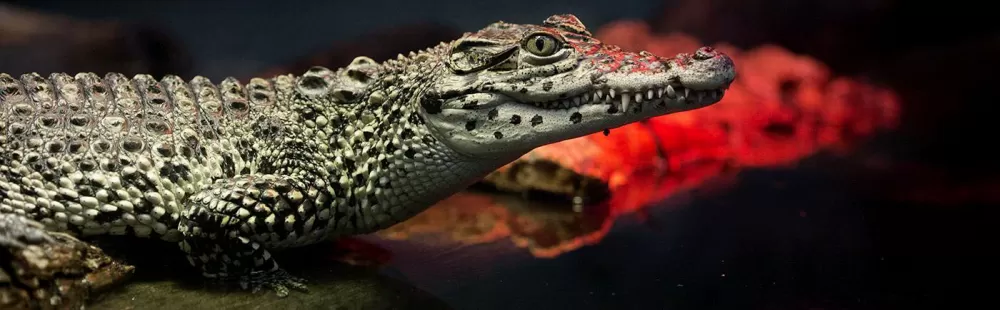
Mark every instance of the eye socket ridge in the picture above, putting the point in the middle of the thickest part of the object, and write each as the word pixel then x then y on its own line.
pixel 542 44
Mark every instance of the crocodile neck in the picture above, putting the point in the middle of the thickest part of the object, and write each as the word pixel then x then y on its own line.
pixel 364 134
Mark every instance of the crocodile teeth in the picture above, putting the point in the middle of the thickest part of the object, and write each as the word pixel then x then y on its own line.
pixel 628 100
pixel 625 103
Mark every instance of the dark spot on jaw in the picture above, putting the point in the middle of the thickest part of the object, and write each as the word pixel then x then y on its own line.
pixel 470 125
pixel 547 85
pixel 607 132
pixel 523 90
pixel 432 106
pixel 536 120
pixel 515 119
pixel 470 105
pixel 492 115
pixel 576 117
pixel 498 135
pixel 613 109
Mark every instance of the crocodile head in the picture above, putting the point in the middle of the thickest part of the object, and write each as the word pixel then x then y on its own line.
pixel 509 88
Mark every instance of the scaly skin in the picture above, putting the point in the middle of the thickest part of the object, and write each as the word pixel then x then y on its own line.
pixel 232 171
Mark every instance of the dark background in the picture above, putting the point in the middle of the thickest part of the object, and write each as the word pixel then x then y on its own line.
pixel 860 248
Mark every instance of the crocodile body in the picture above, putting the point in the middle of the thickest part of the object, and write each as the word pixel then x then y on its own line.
pixel 232 170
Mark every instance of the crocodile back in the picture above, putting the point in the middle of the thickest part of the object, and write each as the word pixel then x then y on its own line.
pixel 113 155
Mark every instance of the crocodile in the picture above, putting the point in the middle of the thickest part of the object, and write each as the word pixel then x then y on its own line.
pixel 232 171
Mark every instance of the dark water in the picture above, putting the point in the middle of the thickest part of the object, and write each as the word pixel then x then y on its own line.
pixel 812 243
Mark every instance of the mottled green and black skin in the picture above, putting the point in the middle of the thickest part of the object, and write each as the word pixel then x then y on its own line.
pixel 231 171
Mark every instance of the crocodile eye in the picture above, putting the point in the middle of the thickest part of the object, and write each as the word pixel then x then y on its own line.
pixel 541 44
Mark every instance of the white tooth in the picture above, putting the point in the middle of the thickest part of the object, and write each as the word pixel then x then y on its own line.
pixel 625 102
pixel 659 93
pixel 600 94
pixel 586 97
pixel 701 96
pixel 638 97
pixel 687 92
pixel 576 101
pixel 670 92
pixel 649 94
pixel 612 93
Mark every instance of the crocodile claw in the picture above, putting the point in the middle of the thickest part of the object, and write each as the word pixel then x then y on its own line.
pixel 278 280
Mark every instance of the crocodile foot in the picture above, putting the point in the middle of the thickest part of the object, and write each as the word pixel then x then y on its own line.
pixel 278 280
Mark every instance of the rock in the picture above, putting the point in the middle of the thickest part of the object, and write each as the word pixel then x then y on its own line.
pixel 42 270
pixel 336 280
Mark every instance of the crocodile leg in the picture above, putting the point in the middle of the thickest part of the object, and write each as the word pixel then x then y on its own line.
pixel 230 226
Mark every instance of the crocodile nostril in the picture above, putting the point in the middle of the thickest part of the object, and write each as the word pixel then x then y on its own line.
pixel 705 53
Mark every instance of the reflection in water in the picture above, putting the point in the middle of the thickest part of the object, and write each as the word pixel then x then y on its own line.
pixel 781 108
pixel 544 228
pixel 474 217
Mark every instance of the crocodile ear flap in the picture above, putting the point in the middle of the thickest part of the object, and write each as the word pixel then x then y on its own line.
pixel 475 55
